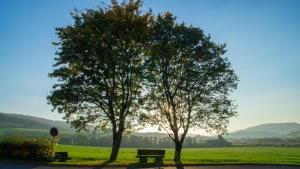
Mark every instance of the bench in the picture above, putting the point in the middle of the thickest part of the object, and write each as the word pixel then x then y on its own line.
pixel 62 156
pixel 143 154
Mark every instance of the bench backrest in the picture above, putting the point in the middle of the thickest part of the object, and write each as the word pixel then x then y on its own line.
pixel 150 152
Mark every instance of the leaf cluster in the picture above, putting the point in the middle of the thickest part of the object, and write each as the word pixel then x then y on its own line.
pixel 99 67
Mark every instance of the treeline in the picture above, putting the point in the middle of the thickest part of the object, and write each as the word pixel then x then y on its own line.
pixel 133 141
pixel 293 142
pixel 104 139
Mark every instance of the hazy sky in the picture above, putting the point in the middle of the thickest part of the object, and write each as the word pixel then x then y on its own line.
pixel 262 36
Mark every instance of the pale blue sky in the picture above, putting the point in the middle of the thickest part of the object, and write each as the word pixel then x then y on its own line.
pixel 263 38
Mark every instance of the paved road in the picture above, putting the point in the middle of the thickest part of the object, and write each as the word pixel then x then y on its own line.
pixel 25 166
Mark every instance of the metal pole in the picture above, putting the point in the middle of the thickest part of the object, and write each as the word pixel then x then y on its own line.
pixel 52 147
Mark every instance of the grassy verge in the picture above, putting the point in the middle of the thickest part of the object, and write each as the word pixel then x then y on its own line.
pixel 85 155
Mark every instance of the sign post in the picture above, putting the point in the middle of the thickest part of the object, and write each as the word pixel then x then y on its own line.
pixel 53 133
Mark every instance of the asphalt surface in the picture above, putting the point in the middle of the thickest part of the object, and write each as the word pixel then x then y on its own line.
pixel 28 166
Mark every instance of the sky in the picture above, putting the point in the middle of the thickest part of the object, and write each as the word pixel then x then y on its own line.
pixel 262 38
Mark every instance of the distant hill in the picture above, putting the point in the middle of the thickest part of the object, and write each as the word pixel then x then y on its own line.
pixel 30 125
pixel 266 130
pixel 294 134
pixel 269 130
pixel 8 120
pixel 35 126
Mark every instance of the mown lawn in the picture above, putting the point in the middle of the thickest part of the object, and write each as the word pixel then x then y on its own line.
pixel 232 155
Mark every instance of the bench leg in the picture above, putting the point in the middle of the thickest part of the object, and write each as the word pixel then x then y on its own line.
pixel 62 160
pixel 158 159
pixel 143 159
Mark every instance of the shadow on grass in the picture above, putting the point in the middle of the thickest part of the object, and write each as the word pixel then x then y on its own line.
pixel 134 165
pixel 179 165
pixel 104 164
pixel 145 164
pixel 107 163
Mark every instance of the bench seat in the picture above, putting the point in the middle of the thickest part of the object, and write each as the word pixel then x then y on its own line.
pixel 62 156
pixel 144 154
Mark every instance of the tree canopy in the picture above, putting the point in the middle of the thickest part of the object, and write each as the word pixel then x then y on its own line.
pixel 188 81
pixel 99 67
pixel 117 67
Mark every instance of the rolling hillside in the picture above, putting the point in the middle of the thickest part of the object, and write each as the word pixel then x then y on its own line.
pixel 35 126
pixel 30 122
pixel 266 130
pixel 294 134
pixel 25 123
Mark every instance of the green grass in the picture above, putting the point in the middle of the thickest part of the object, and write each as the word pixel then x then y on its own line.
pixel 85 155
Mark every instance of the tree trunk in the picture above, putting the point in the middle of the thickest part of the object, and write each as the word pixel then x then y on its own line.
pixel 178 148
pixel 117 138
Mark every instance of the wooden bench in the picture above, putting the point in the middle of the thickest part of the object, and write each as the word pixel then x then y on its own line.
pixel 143 154
pixel 62 156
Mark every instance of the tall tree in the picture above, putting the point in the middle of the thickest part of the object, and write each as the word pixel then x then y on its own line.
pixel 99 68
pixel 188 81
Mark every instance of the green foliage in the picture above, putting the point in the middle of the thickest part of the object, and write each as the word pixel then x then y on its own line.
pixel 103 139
pixel 107 53
pixel 288 142
pixel 231 155
pixel 149 140
pixel 100 68
pixel 219 142
pixel 132 141
pixel 188 81
pixel 22 148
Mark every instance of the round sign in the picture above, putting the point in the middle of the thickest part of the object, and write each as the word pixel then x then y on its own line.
pixel 53 131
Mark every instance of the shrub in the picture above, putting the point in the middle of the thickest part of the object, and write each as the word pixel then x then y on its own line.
pixel 21 148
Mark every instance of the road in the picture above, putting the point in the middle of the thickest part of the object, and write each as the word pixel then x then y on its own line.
pixel 27 166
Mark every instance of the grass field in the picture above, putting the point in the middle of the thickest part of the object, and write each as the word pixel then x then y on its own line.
pixel 231 155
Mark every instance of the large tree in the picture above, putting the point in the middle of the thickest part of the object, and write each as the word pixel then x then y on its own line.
pixel 188 81
pixel 99 67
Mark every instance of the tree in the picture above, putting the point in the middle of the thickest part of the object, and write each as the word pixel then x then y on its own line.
pixel 99 68
pixel 188 81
